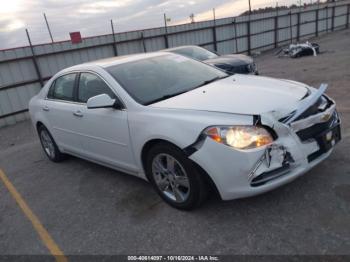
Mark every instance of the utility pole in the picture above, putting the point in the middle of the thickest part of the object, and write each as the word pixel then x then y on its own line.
pixel 250 7
pixel 48 27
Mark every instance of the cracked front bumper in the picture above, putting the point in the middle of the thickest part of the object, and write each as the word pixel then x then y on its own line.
pixel 244 173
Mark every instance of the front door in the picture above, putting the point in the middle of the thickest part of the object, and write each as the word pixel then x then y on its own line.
pixel 104 132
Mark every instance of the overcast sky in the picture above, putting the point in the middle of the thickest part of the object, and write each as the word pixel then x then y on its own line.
pixel 92 17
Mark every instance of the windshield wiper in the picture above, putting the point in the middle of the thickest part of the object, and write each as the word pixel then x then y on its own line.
pixel 164 97
pixel 210 81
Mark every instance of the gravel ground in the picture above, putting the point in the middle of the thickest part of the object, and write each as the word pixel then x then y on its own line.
pixel 89 209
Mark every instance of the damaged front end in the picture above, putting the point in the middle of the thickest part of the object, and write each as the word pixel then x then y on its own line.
pixel 275 162
pixel 314 128
pixel 302 139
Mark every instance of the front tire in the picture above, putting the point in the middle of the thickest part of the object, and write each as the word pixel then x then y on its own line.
pixel 175 178
pixel 49 145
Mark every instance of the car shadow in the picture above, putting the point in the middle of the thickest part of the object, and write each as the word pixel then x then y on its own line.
pixel 136 196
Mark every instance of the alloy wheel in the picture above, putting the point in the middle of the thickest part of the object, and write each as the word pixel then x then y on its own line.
pixel 170 177
pixel 47 143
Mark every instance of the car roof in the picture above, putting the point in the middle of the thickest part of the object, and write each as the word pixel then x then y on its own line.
pixel 180 47
pixel 116 60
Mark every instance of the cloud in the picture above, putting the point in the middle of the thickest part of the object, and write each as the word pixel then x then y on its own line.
pixel 92 17
pixel 11 26
pixel 102 6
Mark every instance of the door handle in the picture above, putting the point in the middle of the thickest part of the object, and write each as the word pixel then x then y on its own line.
pixel 78 113
pixel 46 108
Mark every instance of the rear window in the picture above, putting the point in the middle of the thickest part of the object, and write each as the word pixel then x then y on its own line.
pixel 195 52
pixel 62 88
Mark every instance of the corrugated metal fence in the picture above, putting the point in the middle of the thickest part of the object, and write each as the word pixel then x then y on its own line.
pixel 24 70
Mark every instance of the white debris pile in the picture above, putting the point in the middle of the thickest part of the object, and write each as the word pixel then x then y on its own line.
pixel 298 50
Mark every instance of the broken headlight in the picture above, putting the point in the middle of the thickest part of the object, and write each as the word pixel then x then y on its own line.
pixel 240 137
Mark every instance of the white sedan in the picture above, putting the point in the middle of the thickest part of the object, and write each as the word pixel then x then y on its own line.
pixel 186 127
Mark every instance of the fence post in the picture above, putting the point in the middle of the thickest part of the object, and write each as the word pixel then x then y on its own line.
pixel 327 19
pixel 248 35
pixel 143 43
pixel 166 32
pixel 290 26
pixel 114 41
pixel 298 27
pixel 214 31
pixel 347 16
pixel 317 18
pixel 236 40
pixel 34 60
pixel 333 15
pixel 276 30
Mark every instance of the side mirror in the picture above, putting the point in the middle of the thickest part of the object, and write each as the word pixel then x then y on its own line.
pixel 102 101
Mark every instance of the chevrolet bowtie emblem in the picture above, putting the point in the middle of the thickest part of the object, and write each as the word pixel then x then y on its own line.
pixel 326 117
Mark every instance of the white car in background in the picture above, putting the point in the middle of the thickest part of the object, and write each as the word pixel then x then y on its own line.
pixel 185 126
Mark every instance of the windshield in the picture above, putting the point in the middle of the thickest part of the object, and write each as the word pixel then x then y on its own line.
pixel 154 79
pixel 195 52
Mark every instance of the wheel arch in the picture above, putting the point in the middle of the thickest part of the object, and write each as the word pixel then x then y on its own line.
pixel 149 144
pixel 39 124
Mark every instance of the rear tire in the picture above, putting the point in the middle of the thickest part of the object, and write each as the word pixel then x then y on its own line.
pixel 49 145
pixel 175 177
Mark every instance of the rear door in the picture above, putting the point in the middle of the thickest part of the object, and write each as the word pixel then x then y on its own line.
pixel 61 111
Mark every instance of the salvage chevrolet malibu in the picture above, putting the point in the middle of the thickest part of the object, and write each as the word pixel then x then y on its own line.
pixel 186 127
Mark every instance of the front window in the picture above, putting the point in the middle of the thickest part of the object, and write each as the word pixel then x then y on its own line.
pixel 158 78
pixel 195 52
pixel 91 85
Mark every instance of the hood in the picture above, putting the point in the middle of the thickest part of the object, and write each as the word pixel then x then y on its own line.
pixel 233 60
pixel 240 94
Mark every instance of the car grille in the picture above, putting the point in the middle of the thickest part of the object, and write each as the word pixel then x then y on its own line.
pixel 317 129
pixel 321 105
pixel 318 132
